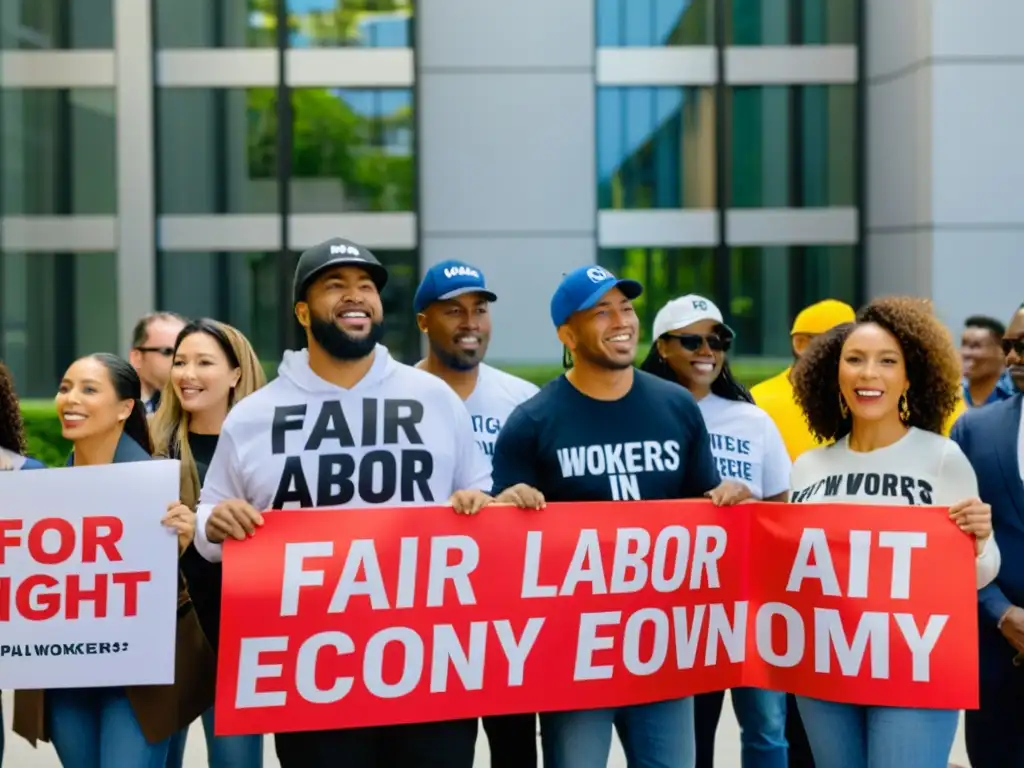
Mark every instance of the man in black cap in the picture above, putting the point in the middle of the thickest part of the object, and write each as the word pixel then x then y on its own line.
pixel 346 425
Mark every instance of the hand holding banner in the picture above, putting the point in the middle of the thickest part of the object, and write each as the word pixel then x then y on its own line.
pixel 349 618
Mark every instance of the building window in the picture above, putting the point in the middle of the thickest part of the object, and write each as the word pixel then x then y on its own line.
pixel 32 25
pixel 214 24
pixel 655 147
pixel 56 307
pixel 58 152
pixel 343 23
pixel 767 286
pixel 352 150
pixel 216 150
pixel 647 23
pixel 791 22
pixel 792 146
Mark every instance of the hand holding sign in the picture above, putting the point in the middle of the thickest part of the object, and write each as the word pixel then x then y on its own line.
pixel 469 502
pixel 974 517
pixel 728 493
pixel 522 496
pixel 183 520
pixel 234 518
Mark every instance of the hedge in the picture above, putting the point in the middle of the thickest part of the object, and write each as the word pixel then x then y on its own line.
pixel 46 443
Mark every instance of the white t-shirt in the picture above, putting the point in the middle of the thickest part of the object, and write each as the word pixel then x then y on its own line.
pixel 920 469
pixel 495 396
pixel 746 445
pixel 399 437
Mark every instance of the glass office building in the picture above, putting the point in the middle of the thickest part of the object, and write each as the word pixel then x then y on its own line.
pixel 179 154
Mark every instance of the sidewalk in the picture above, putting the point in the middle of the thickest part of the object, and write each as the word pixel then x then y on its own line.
pixel 20 755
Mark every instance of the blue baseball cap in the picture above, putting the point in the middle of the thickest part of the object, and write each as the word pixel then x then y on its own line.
pixel 447 280
pixel 583 288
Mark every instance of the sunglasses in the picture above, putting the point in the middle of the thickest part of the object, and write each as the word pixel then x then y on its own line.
pixel 1015 345
pixel 165 351
pixel 691 342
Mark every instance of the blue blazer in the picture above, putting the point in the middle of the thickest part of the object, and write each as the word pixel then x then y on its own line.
pixel 988 435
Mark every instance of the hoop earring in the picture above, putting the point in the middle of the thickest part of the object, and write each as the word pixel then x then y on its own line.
pixel 844 410
pixel 904 409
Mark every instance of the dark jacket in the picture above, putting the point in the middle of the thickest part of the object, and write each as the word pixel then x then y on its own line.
pixel 988 436
pixel 162 710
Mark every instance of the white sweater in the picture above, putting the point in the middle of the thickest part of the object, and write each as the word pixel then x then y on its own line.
pixel 920 469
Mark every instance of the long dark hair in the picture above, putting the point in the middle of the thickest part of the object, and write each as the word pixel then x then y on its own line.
pixel 127 385
pixel 725 385
pixel 12 428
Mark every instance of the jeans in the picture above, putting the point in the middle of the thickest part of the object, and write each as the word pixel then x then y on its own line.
pixel 854 736
pixel 221 751
pixel 658 735
pixel 762 718
pixel 96 728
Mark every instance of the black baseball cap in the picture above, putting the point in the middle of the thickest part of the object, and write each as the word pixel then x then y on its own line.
pixel 336 252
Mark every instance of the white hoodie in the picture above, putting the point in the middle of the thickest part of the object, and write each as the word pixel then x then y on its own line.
pixel 400 437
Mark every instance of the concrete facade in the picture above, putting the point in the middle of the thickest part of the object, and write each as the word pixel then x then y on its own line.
pixel 945 166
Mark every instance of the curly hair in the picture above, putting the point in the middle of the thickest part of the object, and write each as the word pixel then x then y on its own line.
pixel 12 429
pixel 930 356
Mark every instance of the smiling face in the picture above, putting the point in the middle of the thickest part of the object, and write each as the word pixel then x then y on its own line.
pixel 343 313
pixel 606 334
pixel 872 373
pixel 87 404
pixel 459 330
pixel 202 375
pixel 695 354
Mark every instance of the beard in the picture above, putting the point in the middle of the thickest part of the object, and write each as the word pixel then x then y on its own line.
pixel 458 361
pixel 339 345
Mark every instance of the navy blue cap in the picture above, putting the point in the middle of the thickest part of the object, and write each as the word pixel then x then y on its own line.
pixel 583 288
pixel 447 280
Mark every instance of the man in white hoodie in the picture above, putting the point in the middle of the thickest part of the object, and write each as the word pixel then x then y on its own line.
pixel 346 425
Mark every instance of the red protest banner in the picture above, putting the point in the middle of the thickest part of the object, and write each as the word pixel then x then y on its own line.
pixel 336 619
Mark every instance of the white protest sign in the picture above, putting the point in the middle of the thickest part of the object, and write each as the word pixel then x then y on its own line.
pixel 88 576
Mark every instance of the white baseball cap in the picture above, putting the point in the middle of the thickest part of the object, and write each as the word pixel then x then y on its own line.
pixel 687 310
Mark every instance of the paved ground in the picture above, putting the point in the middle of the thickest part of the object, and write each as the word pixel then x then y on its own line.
pixel 727 755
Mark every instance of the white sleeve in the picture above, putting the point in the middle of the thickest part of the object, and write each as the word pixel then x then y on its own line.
pixel 959 482
pixel 223 482
pixel 472 468
pixel 986 565
pixel 777 465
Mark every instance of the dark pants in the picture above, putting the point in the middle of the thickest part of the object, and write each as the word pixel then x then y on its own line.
pixel 799 748
pixel 512 740
pixel 994 733
pixel 450 744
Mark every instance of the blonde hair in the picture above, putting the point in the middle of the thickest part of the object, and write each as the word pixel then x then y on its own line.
pixel 169 425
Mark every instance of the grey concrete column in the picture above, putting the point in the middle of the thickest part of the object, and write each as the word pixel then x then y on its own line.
pixel 136 227
pixel 507 152
pixel 946 168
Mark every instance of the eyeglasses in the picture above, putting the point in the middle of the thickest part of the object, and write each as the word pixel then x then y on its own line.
pixel 691 342
pixel 1016 345
pixel 165 351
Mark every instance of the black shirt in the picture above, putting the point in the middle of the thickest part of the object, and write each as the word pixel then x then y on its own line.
pixel 650 444
pixel 204 578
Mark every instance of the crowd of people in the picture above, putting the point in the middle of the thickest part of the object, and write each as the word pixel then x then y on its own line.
pixel 882 386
